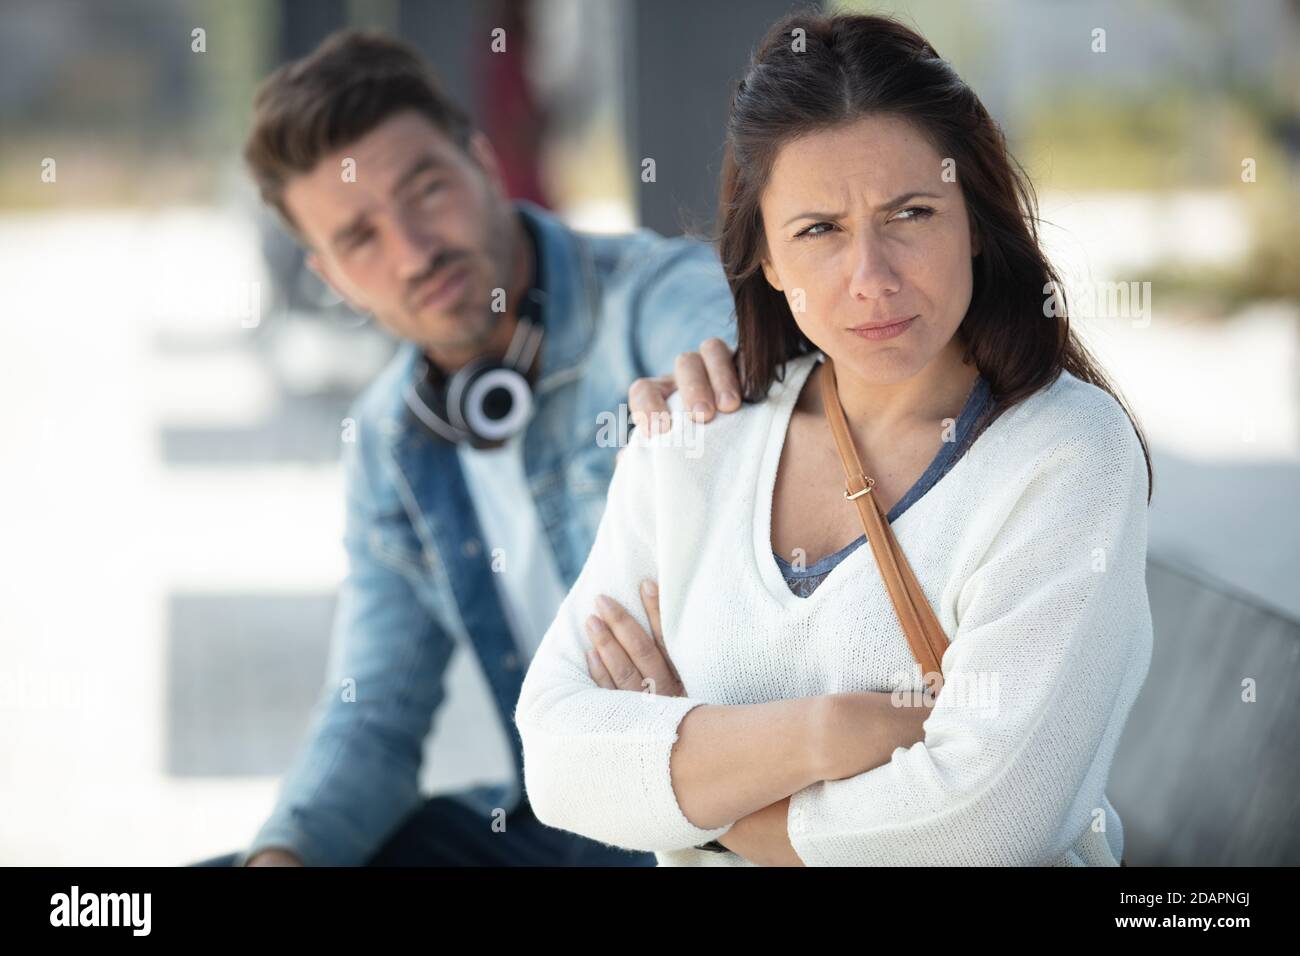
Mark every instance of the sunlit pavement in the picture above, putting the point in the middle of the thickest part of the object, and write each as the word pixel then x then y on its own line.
pixel 102 531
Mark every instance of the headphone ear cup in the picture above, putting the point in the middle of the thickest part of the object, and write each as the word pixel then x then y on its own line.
pixel 464 407
pixel 495 404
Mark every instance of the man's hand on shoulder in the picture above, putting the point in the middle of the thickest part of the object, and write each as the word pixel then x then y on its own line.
pixel 708 383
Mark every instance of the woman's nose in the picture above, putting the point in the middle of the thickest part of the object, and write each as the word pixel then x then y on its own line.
pixel 873 273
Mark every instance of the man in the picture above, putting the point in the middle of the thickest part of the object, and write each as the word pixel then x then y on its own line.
pixel 457 531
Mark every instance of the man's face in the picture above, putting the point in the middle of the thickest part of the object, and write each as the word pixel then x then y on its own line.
pixel 419 236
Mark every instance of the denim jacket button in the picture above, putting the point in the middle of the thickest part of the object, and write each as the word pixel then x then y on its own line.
pixel 510 661
pixel 470 547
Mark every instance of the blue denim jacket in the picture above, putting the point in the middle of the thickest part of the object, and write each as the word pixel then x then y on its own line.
pixel 618 308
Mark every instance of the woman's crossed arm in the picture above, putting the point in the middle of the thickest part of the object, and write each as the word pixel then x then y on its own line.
pixel 742 762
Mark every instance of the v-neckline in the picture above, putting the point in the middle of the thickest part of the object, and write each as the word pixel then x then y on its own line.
pixel 782 409
pixel 799 370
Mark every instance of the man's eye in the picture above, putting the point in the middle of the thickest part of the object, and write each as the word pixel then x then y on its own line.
pixel 809 231
pixel 922 212
pixel 361 238
pixel 431 187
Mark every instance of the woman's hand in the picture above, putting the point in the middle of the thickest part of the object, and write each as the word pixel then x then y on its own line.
pixel 624 657
pixel 763 837
pixel 859 731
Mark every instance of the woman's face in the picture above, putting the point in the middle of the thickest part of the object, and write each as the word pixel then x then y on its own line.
pixel 864 227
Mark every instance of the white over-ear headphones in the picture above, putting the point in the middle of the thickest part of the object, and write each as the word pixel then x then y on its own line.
pixel 484 401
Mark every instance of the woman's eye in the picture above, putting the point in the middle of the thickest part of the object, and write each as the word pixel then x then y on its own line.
pixel 361 239
pixel 922 212
pixel 431 187
pixel 809 231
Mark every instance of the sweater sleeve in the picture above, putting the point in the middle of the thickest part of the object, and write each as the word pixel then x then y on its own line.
pixel 596 761
pixel 1052 644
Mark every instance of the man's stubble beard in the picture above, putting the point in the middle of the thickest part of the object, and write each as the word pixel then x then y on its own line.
pixel 482 324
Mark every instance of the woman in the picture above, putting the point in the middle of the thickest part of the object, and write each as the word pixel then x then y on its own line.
pixel 869 214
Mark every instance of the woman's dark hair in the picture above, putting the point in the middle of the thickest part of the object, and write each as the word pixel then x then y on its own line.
pixel 813 72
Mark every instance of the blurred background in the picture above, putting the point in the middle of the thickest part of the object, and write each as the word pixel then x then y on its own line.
pixel 172 511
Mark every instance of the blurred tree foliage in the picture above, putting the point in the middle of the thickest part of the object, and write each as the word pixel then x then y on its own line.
pixel 1180 139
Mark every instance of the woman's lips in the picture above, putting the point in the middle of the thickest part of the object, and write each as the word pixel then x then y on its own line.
pixel 885 331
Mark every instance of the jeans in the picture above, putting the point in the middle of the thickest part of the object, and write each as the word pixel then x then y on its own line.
pixel 445 832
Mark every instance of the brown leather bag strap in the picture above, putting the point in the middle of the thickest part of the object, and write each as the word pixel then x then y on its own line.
pixel 924 634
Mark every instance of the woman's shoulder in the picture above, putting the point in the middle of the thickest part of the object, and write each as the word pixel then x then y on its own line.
pixel 1067 420
pixel 1090 410
pixel 686 458
pixel 688 451
pixel 725 429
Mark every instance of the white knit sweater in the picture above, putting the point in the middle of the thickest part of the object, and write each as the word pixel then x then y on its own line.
pixel 1032 551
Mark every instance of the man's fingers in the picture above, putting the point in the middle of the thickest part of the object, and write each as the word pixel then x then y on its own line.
pixel 611 653
pixel 693 382
pixel 722 373
pixel 647 403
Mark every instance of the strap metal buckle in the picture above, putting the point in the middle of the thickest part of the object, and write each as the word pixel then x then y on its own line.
pixel 871 483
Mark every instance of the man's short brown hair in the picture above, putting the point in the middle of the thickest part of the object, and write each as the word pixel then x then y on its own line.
pixel 346 87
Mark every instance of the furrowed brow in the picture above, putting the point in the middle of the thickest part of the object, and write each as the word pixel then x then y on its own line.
pixel 896 201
